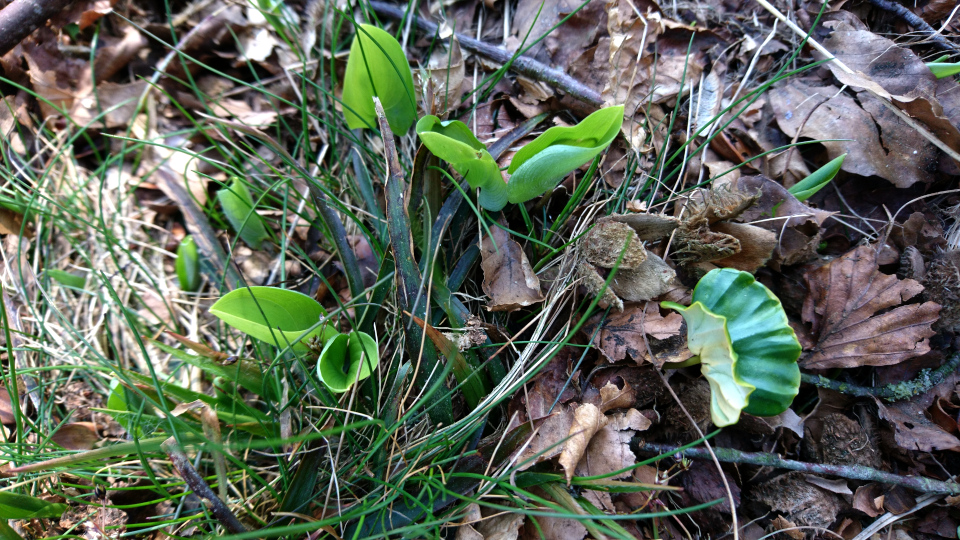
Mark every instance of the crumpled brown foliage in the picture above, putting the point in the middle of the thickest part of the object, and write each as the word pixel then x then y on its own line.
pixel 508 278
pixel 844 298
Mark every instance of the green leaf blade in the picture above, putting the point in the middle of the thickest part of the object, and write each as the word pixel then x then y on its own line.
pixel 13 506
pixel 817 180
pixel 277 316
pixel 378 67
pixel 188 265
pixel 238 206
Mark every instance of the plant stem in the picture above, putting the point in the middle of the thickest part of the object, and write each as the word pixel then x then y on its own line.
pixel 850 472
pixel 422 351
pixel 195 482
pixel 923 382
pixel 521 64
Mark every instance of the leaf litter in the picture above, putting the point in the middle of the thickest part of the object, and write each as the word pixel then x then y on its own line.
pixel 867 269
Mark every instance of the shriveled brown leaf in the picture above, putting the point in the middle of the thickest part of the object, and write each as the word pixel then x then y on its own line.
pixel 649 227
pixel 649 280
pixel 547 440
pixel 843 302
pixel 501 526
pixel 447 71
pixel 608 451
pixel 610 241
pixel 76 436
pixel 756 246
pixel 819 112
pixel 587 421
pixel 869 499
pixel 913 431
pixel 612 397
pixel 554 529
pixel 626 332
pixel 508 278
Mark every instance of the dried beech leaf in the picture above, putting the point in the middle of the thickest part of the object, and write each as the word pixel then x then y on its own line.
pixel 612 397
pixel 508 278
pixel 587 420
pixel 76 436
pixel 548 439
pixel 913 431
pixel 608 451
pixel 625 333
pixel 842 303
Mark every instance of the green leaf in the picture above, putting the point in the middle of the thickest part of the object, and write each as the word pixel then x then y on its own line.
pixel 539 166
pixel 125 407
pixel 244 372
pixel 453 142
pixel 805 188
pixel 188 265
pixel 238 206
pixel 347 359
pixel 67 279
pixel 13 506
pixel 707 337
pixel 762 346
pixel 277 316
pixel 378 67
pixel 942 69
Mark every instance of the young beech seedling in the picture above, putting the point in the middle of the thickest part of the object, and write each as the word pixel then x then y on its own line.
pixel 287 318
pixel 536 169
pixel 746 348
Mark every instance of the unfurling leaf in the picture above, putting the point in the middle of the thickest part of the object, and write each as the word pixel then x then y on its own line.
pixel 817 180
pixel 347 359
pixel 539 166
pixel 378 68
pixel 453 142
pixel 188 265
pixel 942 69
pixel 238 206
pixel 748 350
pixel 279 317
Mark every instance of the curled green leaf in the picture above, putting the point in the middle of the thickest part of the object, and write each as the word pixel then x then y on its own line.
pixel 188 265
pixel 378 67
pixel 453 142
pixel 238 206
pixel 762 347
pixel 347 359
pixel 279 317
pixel 539 166
pixel 819 178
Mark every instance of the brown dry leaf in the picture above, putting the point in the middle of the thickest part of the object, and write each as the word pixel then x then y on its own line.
pixel 843 300
pixel 913 431
pixel 608 451
pixel 508 278
pixel 626 332
pixel 547 440
pixel 11 222
pixel 822 113
pixel 796 225
pixel 471 517
pixel 447 71
pixel 649 280
pixel 756 246
pixel 869 499
pixel 587 421
pixel 613 397
pixel 500 527
pixel 76 436
pixel 554 529
pixel 704 484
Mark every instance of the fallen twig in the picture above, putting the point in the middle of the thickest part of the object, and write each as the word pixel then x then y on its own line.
pixel 936 38
pixel 850 472
pixel 891 392
pixel 19 19
pixel 200 488
pixel 521 64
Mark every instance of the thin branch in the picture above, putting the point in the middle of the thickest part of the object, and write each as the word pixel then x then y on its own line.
pixel 850 472
pixel 523 65
pixel 936 39
pixel 195 482
pixel 22 17
pixel 923 382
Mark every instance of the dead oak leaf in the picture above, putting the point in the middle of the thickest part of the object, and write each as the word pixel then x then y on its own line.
pixel 508 278
pixel 843 302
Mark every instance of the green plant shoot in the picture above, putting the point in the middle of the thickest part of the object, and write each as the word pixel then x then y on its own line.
pixel 747 349
pixel 536 169
pixel 188 265
pixel 347 359
pixel 237 205
pixel 287 318
pixel 377 67
pixel 453 142
pixel 13 506
pixel 942 69
pixel 817 180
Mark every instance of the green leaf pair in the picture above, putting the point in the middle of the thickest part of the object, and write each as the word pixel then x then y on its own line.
pixel 377 67
pixel 287 318
pixel 817 180
pixel 537 168
pixel 747 349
